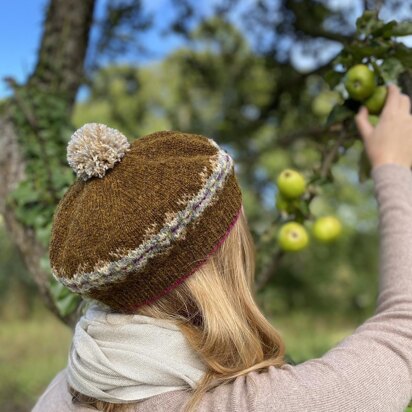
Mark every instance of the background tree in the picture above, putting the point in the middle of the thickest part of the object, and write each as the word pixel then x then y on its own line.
pixel 235 80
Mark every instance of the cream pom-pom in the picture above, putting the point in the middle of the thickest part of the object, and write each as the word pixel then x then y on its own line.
pixel 95 148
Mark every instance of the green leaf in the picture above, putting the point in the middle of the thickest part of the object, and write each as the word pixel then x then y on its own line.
pixel 390 69
pixel 45 263
pixel 25 193
pixel 333 78
pixel 68 304
pixel 305 209
pixel 338 114
pixel 58 291
pixel 403 28
pixel 43 234
pixel 63 178
pixel 368 21
pixel 345 59
pixel 403 54
pixel 30 214
pixel 66 301
pixel 360 49
pixel 384 30
pixel 364 170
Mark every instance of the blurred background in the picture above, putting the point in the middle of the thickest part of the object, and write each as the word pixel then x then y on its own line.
pixel 248 73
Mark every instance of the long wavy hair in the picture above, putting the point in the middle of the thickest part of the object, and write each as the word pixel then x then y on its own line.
pixel 216 311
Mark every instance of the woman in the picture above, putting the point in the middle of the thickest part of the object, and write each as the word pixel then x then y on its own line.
pixel 154 234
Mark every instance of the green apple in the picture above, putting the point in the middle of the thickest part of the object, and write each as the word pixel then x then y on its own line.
pixel 360 82
pixel 373 119
pixel 324 102
pixel 291 184
pixel 293 237
pixel 327 229
pixel 377 100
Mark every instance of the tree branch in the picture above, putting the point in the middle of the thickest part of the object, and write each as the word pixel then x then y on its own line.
pixel 264 277
pixel 314 31
pixel 315 133
pixel 330 156
pixel 307 27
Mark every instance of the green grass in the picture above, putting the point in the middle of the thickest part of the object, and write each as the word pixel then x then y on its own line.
pixel 31 352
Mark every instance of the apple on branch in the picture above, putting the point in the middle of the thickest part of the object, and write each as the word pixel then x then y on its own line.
pixel 377 100
pixel 360 82
pixel 326 229
pixel 293 237
pixel 291 184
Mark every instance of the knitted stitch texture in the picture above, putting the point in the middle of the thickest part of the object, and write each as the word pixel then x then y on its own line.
pixel 131 236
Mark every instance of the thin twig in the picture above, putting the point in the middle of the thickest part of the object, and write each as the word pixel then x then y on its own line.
pixel 264 277
pixel 378 5
pixel 310 133
pixel 330 156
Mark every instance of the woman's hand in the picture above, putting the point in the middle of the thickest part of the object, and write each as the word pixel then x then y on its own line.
pixel 391 140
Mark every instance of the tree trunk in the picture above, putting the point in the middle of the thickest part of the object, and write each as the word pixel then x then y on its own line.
pixel 63 47
pixel 59 70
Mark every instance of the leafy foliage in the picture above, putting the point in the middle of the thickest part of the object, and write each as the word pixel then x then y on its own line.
pixel 43 126
pixel 234 81
pixel 375 44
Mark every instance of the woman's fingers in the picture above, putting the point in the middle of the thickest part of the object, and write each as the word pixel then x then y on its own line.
pixel 393 101
pixel 362 122
pixel 405 103
pixel 396 101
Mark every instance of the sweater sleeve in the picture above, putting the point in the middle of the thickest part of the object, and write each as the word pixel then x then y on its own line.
pixel 370 370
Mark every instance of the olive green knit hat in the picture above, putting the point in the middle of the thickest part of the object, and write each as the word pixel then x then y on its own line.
pixel 141 217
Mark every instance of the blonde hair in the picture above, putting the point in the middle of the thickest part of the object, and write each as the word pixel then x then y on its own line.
pixel 216 311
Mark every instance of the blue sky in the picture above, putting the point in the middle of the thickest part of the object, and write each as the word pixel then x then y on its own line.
pixel 21 25
pixel 20 28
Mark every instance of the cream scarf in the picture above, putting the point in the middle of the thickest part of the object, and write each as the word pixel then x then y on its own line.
pixel 121 358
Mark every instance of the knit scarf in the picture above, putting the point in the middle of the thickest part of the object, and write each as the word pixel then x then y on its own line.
pixel 122 358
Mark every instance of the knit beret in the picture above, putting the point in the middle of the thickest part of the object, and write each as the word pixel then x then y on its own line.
pixel 141 217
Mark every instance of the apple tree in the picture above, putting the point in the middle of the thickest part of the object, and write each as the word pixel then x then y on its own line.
pixel 359 76
pixel 233 80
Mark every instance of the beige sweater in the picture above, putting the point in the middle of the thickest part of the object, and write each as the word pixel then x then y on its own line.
pixel 369 370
